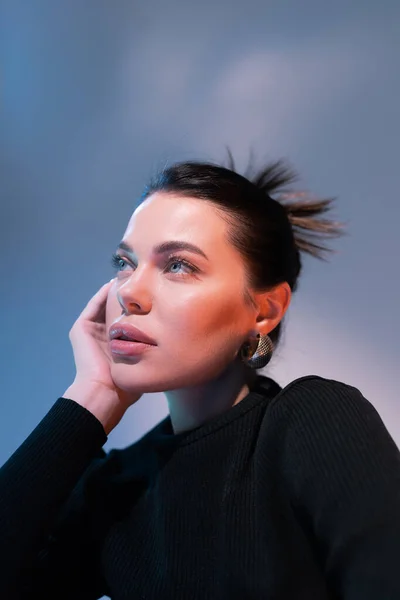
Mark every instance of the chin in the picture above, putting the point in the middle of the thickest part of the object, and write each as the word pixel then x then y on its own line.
pixel 131 378
pixel 148 381
pixel 136 375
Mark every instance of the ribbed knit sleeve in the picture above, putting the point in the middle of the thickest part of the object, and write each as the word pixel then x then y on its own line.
pixel 35 483
pixel 342 469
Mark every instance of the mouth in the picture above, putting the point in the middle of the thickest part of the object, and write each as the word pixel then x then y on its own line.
pixel 130 340
pixel 126 332
pixel 128 347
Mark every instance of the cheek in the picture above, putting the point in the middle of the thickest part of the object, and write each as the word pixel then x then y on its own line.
pixel 199 318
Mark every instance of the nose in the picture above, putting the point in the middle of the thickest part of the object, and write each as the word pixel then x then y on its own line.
pixel 134 295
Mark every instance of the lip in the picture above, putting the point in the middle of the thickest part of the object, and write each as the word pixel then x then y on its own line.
pixel 125 348
pixel 129 331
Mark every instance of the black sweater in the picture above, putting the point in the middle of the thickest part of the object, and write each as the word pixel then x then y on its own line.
pixel 290 494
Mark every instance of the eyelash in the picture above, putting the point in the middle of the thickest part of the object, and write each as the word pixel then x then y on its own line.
pixel 115 258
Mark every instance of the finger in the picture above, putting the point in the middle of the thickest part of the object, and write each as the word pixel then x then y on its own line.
pixel 97 303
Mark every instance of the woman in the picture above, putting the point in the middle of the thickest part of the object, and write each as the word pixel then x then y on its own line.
pixel 246 490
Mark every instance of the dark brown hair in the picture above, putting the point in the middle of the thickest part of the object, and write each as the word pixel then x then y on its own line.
pixel 269 224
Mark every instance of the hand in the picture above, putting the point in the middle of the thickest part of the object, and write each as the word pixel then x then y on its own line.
pixel 93 386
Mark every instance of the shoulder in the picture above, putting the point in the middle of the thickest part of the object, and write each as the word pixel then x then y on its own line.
pixel 310 383
pixel 313 391
pixel 326 435
pixel 314 404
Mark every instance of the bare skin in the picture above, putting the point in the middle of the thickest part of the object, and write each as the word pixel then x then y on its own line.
pixel 199 319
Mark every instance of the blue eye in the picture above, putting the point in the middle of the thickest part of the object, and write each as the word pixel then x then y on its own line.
pixel 116 261
pixel 177 260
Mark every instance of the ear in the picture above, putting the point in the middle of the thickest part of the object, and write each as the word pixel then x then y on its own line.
pixel 272 306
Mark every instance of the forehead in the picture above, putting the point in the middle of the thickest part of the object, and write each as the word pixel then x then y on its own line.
pixel 163 217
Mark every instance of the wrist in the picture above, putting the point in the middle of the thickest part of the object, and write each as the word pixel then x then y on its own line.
pixel 102 403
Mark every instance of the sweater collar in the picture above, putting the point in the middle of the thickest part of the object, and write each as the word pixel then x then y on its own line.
pixel 163 436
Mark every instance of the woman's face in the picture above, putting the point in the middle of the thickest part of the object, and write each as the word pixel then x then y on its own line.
pixel 197 315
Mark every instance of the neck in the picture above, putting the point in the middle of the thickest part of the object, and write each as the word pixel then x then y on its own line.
pixel 191 407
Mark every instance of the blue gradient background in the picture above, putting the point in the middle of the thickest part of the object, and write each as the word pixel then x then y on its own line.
pixel 96 95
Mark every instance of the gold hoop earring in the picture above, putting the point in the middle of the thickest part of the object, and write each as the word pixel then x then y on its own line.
pixel 257 356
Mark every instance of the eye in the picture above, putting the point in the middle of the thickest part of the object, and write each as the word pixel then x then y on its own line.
pixel 178 260
pixel 116 261
pixel 119 263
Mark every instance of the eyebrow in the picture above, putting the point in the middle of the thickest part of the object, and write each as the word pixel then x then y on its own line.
pixel 167 247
